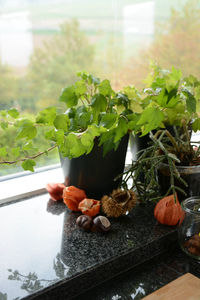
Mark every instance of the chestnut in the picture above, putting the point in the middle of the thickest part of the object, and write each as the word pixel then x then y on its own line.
pixel 84 222
pixel 101 223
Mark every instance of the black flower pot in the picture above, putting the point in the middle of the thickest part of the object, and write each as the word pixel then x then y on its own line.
pixel 139 143
pixel 191 175
pixel 94 172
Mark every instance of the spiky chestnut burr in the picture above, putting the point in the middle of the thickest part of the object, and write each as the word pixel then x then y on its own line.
pixel 118 203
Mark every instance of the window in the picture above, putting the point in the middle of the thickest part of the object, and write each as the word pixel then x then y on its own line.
pixel 44 43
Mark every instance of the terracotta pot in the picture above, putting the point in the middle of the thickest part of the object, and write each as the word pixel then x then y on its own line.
pixel 93 172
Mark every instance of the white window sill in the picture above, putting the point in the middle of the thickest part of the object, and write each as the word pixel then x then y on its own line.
pixel 27 185
pixel 33 184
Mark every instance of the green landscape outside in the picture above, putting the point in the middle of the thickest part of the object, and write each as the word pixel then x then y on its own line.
pixel 117 40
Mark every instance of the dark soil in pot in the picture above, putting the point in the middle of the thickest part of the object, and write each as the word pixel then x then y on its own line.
pixel 191 175
pixel 94 173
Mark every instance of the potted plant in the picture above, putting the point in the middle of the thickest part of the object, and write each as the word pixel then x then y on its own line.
pixel 169 160
pixel 90 129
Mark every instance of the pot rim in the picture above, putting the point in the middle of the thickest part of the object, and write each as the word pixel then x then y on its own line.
pixel 184 203
pixel 182 169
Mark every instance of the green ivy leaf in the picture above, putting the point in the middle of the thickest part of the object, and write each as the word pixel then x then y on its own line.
pixel 196 125
pixel 72 146
pixel 121 130
pixel 192 81
pixel 59 136
pixel 46 116
pixel 71 112
pixel 190 101
pixel 159 83
pixel 83 74
pixel 88 78
pixel 93 80
pixel 162 98
pixel 28 165
pixel 122 99
pixel 96 130
pixel 105 88
pixel 132 93
pixel 99 103
pixel 151 119
pixel 27 130
pixel 136 106
pixel 108 120
pixel 133 120
pixel 80 88
pixel 69 96
pixel 84 119
pixel 50 135
pixel 61 122
pixel 3 152
pixel 13 113
pixel 87 139
pixel 172 102
pixel 175 75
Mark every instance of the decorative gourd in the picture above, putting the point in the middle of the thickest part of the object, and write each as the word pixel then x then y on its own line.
pixel 55 190
pixel 90 207
pixel 72 196
pixel 168 211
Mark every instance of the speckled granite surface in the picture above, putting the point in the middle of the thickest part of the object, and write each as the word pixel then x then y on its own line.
pixel 145 278
pixel 45 256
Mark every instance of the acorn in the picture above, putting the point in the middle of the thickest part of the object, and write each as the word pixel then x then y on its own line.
pixel 118 203
pixel 101 224
pixel 85 222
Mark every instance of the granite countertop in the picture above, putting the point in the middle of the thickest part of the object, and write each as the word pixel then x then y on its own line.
pixel 145 278
pixel 45 256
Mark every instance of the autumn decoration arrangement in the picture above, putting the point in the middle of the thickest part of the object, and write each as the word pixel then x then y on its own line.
pixel 118 203
pixel 167 211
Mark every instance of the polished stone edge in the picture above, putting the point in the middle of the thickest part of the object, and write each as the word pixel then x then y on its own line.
pixel 70 288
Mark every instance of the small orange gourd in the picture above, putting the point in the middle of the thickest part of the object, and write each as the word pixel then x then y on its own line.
pixel 168 211
pixel 72 196
pixel 89 207
pixel 55 190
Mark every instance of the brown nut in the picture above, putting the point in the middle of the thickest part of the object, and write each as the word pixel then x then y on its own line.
pixel 101 223
pixel 84 222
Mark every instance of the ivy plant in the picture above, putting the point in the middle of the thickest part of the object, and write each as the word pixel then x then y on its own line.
pixel 91 110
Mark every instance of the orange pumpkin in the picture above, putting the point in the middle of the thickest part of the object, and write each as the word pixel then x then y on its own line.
pixel 168 211
pixel 72 196
pixel 89 207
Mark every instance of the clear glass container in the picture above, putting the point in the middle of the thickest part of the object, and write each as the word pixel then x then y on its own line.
pixel 189 229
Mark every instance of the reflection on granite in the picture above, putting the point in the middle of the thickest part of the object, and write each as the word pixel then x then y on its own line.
pixel 52 257
pixel 32 283
pixel 30 241
pixel 146 278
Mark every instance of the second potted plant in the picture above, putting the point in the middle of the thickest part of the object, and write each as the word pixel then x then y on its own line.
pixel 170 160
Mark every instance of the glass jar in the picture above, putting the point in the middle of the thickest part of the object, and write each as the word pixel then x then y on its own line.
pixel 189 229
